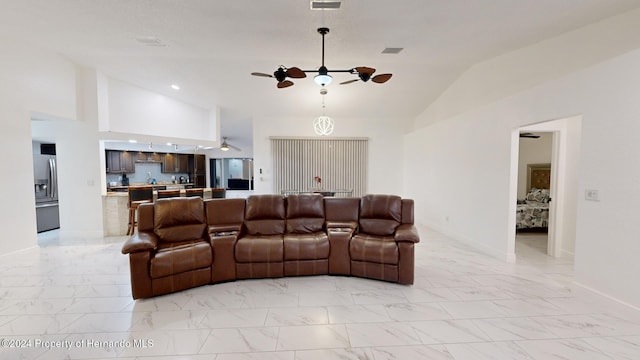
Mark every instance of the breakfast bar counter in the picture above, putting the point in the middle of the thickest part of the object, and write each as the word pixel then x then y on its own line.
pixel 116 210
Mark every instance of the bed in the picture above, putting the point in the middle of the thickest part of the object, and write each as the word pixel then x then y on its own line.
pixel 532 213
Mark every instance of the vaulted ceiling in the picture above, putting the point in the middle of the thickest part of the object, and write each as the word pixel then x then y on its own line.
pixel 210 48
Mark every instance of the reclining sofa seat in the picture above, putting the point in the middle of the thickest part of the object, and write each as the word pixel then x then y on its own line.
pixel 259 250
pixel 171 251
pixel 383 248
pixel 306 244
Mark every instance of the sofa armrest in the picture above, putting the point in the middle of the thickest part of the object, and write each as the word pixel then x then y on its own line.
pixel 143 241
pixel 341 225
pixel 407 232
pixel 224 230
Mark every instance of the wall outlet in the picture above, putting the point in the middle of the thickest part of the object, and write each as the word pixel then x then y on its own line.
pixel 591 195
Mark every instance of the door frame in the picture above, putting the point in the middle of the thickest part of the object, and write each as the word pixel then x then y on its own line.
pixel 559 183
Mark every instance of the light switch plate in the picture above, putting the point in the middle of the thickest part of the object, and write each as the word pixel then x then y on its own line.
pixel 591 195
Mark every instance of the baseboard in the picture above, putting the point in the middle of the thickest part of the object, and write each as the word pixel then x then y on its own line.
pixel 487 250
pixel 567 253
pixel 11 253
pixel 612 298
pixel 81 234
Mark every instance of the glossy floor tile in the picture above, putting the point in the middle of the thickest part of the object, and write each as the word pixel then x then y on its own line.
pixel 71 299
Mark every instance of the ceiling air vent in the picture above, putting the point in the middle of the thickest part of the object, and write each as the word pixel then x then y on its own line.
pixel 325 5
pixel 150 41
pixel 391 50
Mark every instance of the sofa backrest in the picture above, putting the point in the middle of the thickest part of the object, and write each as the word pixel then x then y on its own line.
pixel 380 214
pixel 179 219
pixel 341 209
pixel 225 214
pixel 264 215
pixel 305 213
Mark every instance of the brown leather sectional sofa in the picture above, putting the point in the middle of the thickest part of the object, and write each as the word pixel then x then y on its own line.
pixel 186 242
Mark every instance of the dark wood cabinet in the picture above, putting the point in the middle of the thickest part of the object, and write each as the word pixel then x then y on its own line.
pixel 198 171
pixel 119 162
pixel 148 157
pixel 200 166
pixel 175 163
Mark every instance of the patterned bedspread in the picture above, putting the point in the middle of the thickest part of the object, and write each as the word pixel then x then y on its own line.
pixel 532 214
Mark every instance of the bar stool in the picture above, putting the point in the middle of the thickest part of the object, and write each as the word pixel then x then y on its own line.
pixel 163 194
pixel 137 196
pixel 195 192
pixel 218 193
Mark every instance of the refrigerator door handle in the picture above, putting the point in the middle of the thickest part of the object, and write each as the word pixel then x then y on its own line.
pixel 53 179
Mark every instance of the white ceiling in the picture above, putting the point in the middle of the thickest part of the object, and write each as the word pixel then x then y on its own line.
pixel 213 46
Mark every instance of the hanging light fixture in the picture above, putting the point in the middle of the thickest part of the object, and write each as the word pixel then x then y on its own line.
pixel 323 125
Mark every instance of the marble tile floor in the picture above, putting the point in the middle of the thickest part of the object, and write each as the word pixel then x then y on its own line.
pixel 464 305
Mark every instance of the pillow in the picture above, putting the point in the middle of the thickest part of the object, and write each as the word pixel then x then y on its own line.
pixel 538 195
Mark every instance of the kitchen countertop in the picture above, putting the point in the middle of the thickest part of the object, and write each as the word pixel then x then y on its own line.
pixel 169 186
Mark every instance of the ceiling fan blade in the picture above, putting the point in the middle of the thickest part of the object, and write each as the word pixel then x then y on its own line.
pixel 365 70
pixel 296 73
pixel 349 81
pixel 261 74
pixel 529 135
pixel 234 147
pixel 284 84
pixel 382 78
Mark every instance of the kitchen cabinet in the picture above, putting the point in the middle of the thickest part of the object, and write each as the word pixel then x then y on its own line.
pixel 175 163
pixel 120 162
pixel 198 171
pixel 148 157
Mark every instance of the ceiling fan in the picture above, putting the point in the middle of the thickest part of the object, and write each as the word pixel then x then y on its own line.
pixel 323 78
pixel 529 135
pixel 225 146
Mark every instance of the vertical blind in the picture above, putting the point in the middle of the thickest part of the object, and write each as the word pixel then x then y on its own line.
pixel 340 163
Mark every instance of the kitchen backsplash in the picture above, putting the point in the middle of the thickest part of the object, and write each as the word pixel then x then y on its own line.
pixel 141 174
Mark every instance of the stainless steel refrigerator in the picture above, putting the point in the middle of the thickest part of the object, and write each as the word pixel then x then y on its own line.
pixel 46 186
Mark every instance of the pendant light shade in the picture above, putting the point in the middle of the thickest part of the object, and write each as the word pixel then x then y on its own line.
pixel 323 125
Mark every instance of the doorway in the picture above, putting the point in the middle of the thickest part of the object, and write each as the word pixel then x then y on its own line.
pixel 563 183
pixel 534 184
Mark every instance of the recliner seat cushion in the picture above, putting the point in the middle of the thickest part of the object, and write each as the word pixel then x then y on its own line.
pixel 376 249
pixel 306 246
pixel 259 249
pixel 181 257
pixel 179 219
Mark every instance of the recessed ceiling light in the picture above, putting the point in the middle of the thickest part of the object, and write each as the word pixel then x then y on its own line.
pixel 132 141
pixel 175 87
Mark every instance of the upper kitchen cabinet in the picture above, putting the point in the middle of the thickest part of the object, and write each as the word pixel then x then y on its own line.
pixel 148 157
pixel 175 163
pixel 119 162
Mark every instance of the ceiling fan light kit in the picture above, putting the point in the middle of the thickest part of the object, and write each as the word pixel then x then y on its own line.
pixel 225 145
pixel 323 78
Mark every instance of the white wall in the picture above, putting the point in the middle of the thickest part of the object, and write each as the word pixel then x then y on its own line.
pixel 32 81
pixel 530 66
pixel 466 169
pixel 133 110
pixel 532 151
pixel 385 148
